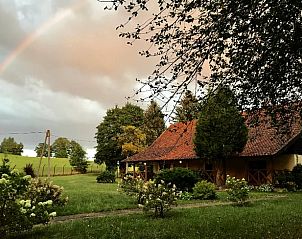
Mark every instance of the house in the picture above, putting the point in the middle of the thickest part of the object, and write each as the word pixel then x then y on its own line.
pixel 265 153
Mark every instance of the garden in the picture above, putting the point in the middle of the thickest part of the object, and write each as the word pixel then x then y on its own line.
pixel 38 208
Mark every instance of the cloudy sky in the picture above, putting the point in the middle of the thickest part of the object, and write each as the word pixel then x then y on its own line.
pixel 62 66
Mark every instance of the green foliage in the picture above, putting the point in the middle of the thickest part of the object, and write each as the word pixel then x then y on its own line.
pixel 77 157
pixel 285 180
pixel 21 204
pixel 106 177
pixel 10 146
pixel 237 190
pixel 132 186
pixel 186 196
pixel 60 147
pixel 39 149
pixel 29 170
pixel 204 190
pixel 158 196
pixel 132 140
pixel 297 175
pixel 108 150
pixel 188 109
pixel 183 178
pixel 154 123
pixel 262 62
pixel 5 168
pixel 265 188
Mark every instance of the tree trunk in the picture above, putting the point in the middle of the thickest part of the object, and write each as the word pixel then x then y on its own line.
pixel 221 172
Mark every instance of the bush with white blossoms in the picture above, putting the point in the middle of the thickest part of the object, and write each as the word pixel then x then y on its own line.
pixel 21 206
pixel 132 186
pixel 237 189
pixel 159 197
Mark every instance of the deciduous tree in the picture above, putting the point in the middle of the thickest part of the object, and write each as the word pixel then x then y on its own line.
pixel 39 149
pixel 60 147
pixel 254 47
pixel 10 146
pixel 77 157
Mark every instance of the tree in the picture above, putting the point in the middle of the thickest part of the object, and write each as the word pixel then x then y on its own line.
pixel 60 147
pixel 77 157
pixel 10 146
pixel 132 140
pixel 253 46
pixel 108 150
pixel 188 109
pixel 154 123
pixel 39 149
pixel 220 131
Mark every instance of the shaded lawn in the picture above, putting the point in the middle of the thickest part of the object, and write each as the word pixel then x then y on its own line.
pixel 86 195
pixel 279 218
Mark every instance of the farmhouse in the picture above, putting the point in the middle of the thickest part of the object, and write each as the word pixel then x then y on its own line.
pixel 265 153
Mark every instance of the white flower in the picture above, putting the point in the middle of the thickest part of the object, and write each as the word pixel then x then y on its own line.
pixel 49 202
pixel 32 215
pixel 23 210
pixel 162 181
pixel 53 214
pixel 3 181
pixel 27 177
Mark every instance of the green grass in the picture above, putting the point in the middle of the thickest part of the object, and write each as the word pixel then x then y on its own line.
pixel 57 165
pixel 262 219
pixel 86 195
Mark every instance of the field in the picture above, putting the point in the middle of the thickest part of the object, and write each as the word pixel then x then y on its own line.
pixel 58 166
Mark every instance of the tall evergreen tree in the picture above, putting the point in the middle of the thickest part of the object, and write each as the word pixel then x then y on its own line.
pixel 154 123
pixel 220 131
pixel 108 150
pixel 188 109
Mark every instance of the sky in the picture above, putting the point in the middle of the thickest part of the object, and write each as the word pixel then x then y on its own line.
pixel 62 65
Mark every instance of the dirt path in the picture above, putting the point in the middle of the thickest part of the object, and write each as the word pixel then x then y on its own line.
pixel 122 212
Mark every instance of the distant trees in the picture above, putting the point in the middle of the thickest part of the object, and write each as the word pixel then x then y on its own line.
pixel 61 148
pixel 188 108
pixel 39 149
pixel 77 157
pixel 154 122
pixel 220 130
pixel 10 146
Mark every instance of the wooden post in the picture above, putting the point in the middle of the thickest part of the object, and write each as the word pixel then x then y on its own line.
pixel 126 167
pixel 146 172
pixel 187 164
pixel 171 166
pixel 134 170
pixel 48 134
pixel 42 153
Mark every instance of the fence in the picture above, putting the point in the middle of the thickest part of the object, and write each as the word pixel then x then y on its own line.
pixel 59 170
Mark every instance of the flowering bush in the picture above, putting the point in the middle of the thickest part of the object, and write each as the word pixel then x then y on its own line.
pixel 150 195
pixel 262 188
pixel 237 189
pixel 204 190
pixel 132 186
pixel 185 196
pixel 22 202
pixel 158 197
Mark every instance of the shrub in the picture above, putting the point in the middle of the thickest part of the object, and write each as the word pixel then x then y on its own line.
pixel 159 197
pixel 20 207
pixel 297 175
pixel 29 170
pixel 106 177
pixel 5 168
pixel 132 186
pixel 286 180
pixel 183 178
pixel 204 190
pixel 237 190
pixel 185 196
pixel 265 188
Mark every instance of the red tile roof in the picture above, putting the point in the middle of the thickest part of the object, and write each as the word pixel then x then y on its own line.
pixel 177 143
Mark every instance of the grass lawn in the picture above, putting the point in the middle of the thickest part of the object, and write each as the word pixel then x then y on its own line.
pixel 56 164
pixel 279 218
pixel 86 195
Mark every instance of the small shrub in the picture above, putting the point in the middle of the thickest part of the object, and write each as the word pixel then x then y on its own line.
pixel 5 168
pixel 265 188
pixel 132 186
pixel 106 177
pixel 29 170
pixel 159 197
pixel 297 175
pixel 237 190
pixel 186 196
pixel 285 179
pixel 183 178
pixel 204 190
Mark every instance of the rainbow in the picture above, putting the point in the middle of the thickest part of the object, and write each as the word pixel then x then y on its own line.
pixel 29 39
